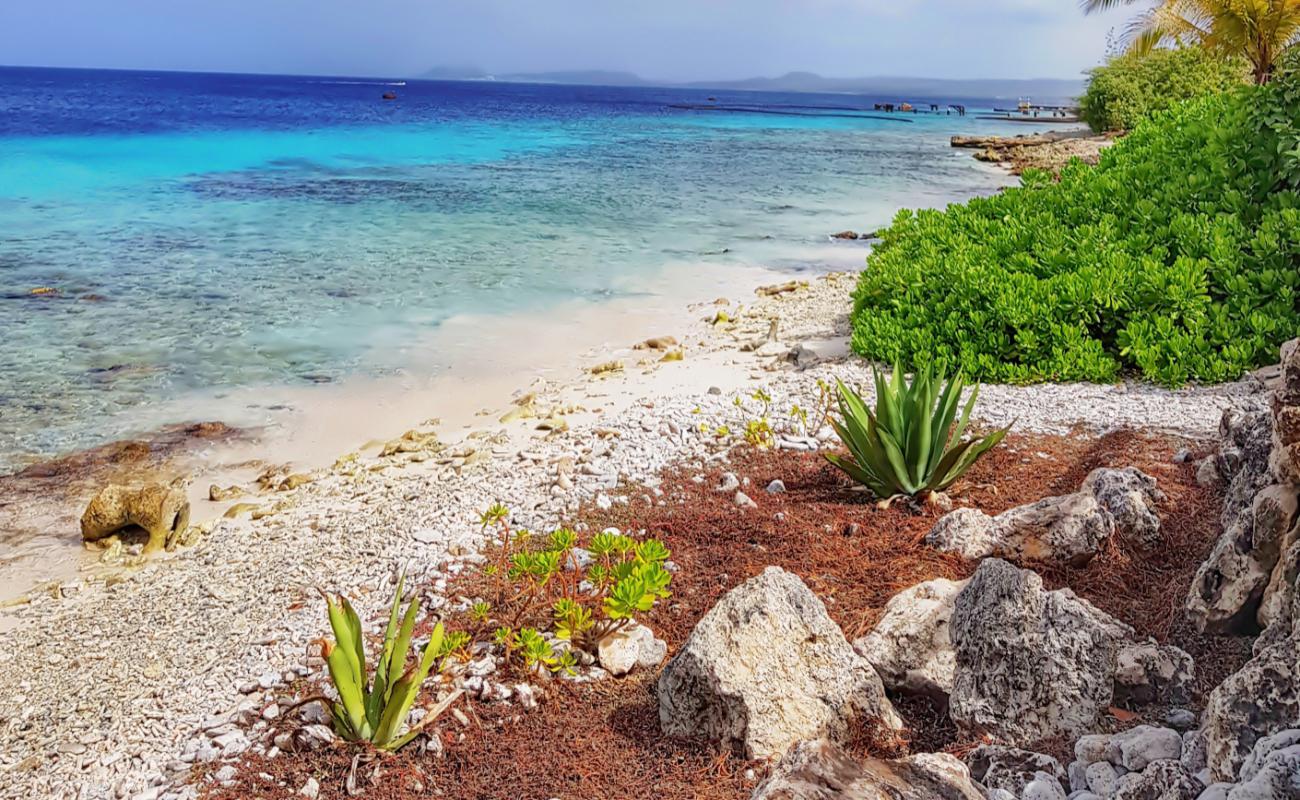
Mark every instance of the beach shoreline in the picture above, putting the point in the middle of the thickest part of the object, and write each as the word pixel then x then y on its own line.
pixel 165 643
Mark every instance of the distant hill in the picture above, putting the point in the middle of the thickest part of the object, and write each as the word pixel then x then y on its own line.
pixel 902 87
pixel 1044 90
pixel 582 77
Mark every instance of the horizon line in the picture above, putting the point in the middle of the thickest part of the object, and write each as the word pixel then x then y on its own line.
pixel 489 78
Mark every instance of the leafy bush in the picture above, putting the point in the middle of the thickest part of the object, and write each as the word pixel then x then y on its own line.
pixel 1175 257
pixel 1132 87
pixel 910 445
pixel 376 711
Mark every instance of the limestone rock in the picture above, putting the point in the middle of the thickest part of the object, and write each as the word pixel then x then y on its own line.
pixel 1030 664
pixel 1259 700
pixel 767 667
pixel 1272 771
pixel 1068 530
pixel 1136 748
pixel 1257 514
pixel 999 767
pixel 635 646
pixel 1102 778
pixel 910 646
pixel 820 770
pixel 1284 457
pixel 1131 497
pixel 160 510
pixel 1162 780
pixel 1148 673
pixel 1043 787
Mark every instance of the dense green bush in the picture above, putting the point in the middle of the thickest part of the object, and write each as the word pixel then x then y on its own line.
pixel 1177 257
pixel 1132 87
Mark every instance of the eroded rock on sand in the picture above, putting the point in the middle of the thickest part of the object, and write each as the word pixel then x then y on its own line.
pixel 821 770
pixel 163 512
pixel 767 667
pixel 910 647
pixel 1030 664
pixel 1069 529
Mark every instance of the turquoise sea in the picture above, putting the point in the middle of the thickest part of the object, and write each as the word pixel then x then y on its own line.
pixel 205 231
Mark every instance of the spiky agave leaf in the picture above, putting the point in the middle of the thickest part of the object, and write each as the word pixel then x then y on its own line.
pixel 403 695
pixel 913 442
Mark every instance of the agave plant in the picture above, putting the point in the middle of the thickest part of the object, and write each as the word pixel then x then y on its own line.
pixel 374 711
pixel 910 445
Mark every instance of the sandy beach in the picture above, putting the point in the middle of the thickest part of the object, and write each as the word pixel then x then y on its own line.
pixel 115 670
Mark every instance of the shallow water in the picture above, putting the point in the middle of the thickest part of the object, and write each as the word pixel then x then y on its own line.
pixel 209 232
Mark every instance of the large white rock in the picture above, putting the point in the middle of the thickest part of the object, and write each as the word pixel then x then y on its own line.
pixel 910 646
pixel 1031 664
pixel 767 667
pixel 820 770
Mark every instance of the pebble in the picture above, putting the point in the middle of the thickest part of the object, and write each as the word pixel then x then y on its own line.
pixel 744 501
pixel 776 487
pixel 310 789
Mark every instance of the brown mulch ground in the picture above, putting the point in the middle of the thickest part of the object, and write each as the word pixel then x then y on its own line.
pixel 603 740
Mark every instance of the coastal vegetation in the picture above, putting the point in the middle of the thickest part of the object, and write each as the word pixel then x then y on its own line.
pixel 1259 31
pixel 1174 258
pixel 1133 86
pixel 912 444
pixel 375 711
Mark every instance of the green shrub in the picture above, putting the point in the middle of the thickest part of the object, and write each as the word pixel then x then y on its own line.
pixel 910 446
pixel 1132 87
pixel 1175 257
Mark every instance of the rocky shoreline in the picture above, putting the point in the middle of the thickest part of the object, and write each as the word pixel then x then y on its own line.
pixel 1049 151
pixel 127 684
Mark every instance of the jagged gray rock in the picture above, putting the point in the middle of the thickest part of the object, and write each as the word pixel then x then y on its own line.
pixel 820 770
pixel 1030 664
pixel 1131 496
pixel 1010 768
pixel 910 646
pixel 1259 700
pixel 1068 529
pixel 1148 672
pixel 1162 780
pixel 767 667
pixel 1257 514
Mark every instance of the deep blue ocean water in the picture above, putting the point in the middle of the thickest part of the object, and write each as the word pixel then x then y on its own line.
pixel 207 231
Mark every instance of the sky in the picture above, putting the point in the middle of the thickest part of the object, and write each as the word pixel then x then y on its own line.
pixel 671 40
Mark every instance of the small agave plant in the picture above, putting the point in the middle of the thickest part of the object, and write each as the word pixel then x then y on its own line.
pixel 375 710
pixel 909 446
